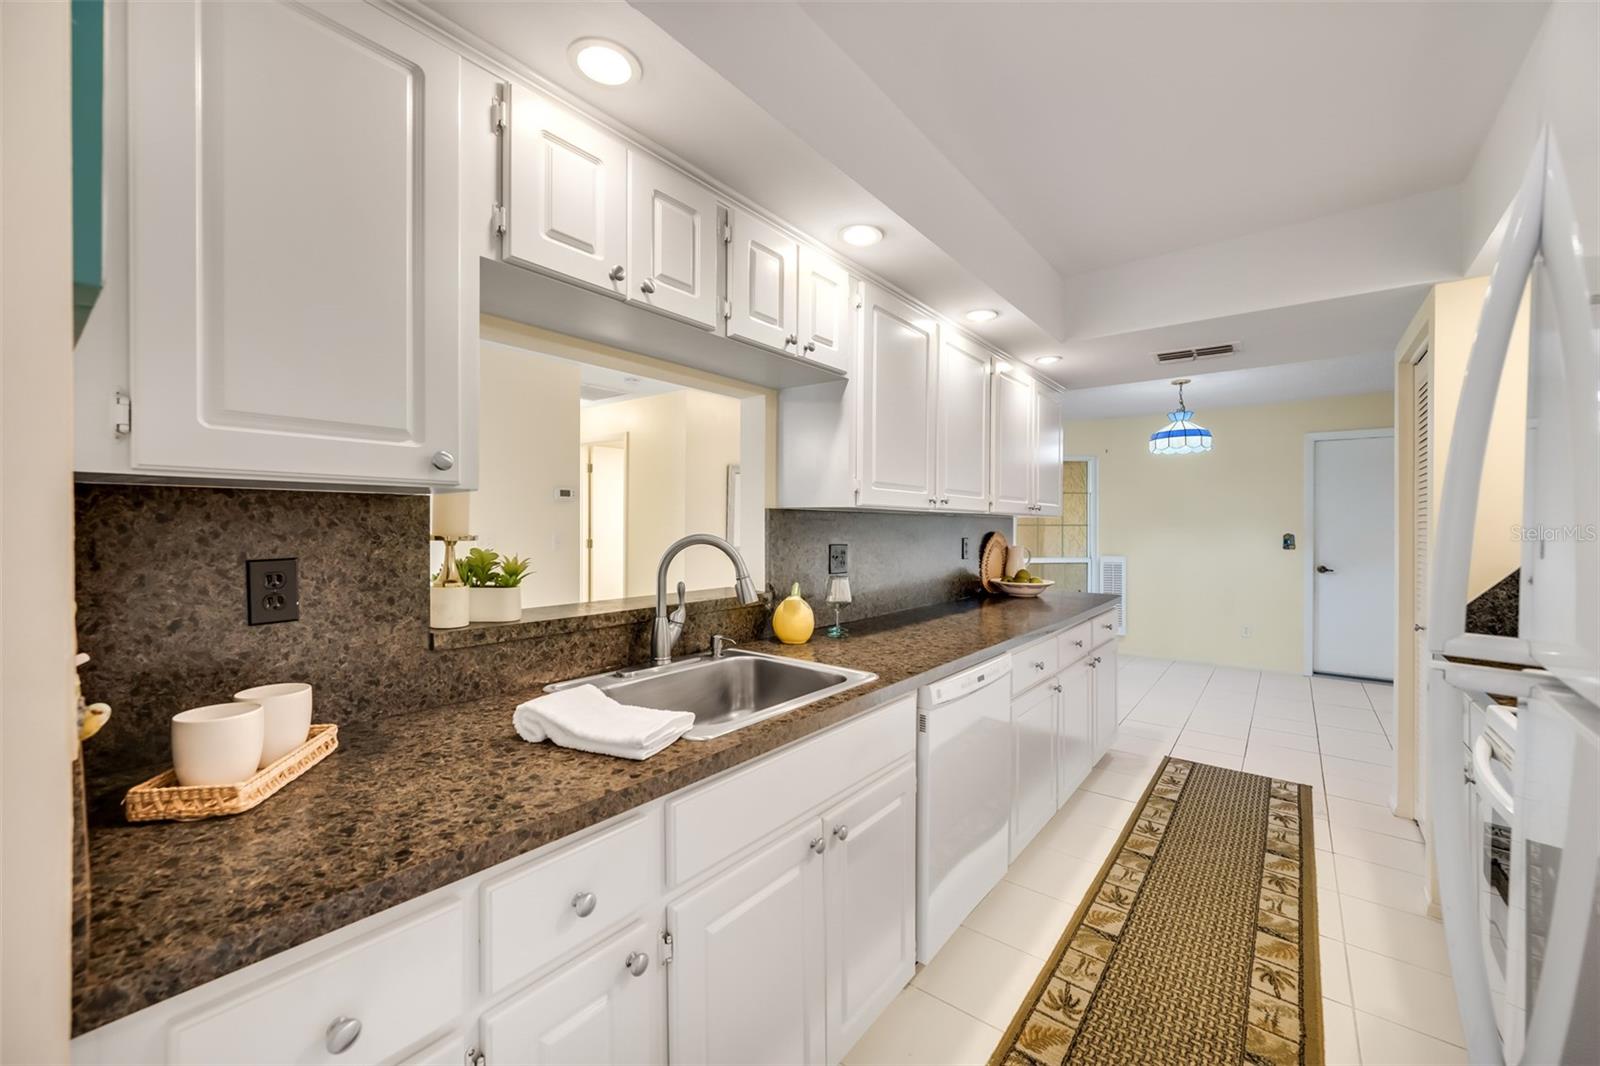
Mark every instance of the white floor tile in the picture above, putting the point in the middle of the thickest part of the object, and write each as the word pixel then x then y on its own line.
pixel 1221 724
pixel 1022 918
pixel 1277 739
pixel 1351 744
pixel 1110 783
pixel 1361 719
pixel 1409 937
pixel 1330 921
pixel 1339 1034
pixel 1328 690
pixel 1286 706
pixel 1053 872
pixel 1197 738
pixel 1079 835
pixel 919 1030
pixel 1210 758
pixel 1357 768
pixel 1322 832
pixel 1327 871
pixel 1380 848
pixel 1123 762
pixel 1335 973
pixel 1407 995
pixel 1349 786
pixel 1382 696
pixel 1376 818
pixel 1305 727
pixel 1225 702
pixel 1381 884
pixel 979 975
pixel 1140 744
pixel 1233 679
pixel 1160 713
pixel 1385 1042
pixel 1287 764
pixel 1101 810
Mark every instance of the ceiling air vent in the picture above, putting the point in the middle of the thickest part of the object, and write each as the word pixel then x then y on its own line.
pixel 1189 355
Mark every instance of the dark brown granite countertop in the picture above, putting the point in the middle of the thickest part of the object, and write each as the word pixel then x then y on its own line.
pixel 415 801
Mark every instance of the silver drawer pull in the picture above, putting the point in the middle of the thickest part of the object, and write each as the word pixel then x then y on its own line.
pixel 584 903
pixel 342 1034
pixel 637 963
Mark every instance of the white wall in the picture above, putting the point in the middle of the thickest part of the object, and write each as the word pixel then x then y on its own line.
pixel 36 631
pixel 654 426
pixel 711 446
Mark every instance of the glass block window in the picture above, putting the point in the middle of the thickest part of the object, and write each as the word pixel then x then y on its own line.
pixel 1064 545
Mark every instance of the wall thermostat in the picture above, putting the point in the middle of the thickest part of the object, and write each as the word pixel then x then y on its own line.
pixel 566 494
pixel 1288 542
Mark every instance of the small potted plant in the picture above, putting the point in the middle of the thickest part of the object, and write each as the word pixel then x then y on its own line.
pixel 495 584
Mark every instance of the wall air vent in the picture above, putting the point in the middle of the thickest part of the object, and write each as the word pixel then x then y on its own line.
pixel 1189 355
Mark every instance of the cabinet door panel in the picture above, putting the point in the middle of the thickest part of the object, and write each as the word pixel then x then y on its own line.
pixel 1033 739
pixel 594 1010
pixel 1105 697
pixel 871 873
pixel 899 373
pixel 747 981
pixel 1015 460
pixel 1074 729
pixel 1047 445
pixel 673 242
pixel 293 268
pixel 566 194
pixel 963 425
pixel 827 319
pixel 763 289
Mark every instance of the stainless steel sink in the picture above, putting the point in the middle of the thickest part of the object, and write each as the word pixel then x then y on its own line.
pixel 727 693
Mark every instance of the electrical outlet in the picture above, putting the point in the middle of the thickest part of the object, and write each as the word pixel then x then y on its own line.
pixel 272 591
pixel 966 547
pixel 838 558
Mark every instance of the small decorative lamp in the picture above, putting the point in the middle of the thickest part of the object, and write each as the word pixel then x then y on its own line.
pixel 839 596
pixel 1180 436
pixel 448 605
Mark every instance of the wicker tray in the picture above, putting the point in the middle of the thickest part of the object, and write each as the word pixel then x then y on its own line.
pixel 992 560
pixel 162 799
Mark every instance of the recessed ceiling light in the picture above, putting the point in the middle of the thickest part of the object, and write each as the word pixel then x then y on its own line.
pixel 604 62
pixel 861 234
pixel 1047 360
pixel 982 314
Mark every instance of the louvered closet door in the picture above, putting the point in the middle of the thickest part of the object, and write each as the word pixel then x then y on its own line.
pixel 1421 517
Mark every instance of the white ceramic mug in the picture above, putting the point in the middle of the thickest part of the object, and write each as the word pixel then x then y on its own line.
pixel 286 711
pixel 217 745
pixel 1017 558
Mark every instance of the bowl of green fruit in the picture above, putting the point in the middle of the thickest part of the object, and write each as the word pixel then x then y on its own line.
pixel 1022 583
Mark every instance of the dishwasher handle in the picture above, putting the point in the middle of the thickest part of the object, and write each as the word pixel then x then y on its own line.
pixel 966 682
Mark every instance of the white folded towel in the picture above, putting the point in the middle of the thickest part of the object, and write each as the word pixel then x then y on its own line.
pixel 587 719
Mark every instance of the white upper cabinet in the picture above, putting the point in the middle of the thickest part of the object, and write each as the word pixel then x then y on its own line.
pixel 827 320
pixel 672 241
pixel 1015 457
pixel 763 288
pixel 899 397
pixel 566 189
pixel 1047 445
pixel 293 261
pixel 962 480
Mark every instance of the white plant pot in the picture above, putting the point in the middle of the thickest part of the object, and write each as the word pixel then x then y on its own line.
pixel 449 608
pixel 497 605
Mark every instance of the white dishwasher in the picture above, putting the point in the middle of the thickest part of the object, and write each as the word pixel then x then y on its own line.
pixel 964 776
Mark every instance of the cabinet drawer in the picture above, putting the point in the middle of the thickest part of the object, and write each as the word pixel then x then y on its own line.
pixel 728 814
pixel 1033 664
pixel 559 902
pixel 1073 644
pixel 401 984
pixel 1104 627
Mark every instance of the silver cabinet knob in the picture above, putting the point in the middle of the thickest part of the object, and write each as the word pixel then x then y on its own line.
pixel 1077 643
pixel 842 832
pixel 584 903
pixel 1039 665
pixel 1057 688
pixel 637 963
pixel 1324 569
pixel 944 502
pixel 819 845
pixel 617 274
pixel 647 286
pixel 809 347
pixel 1418 627
pixel 790 341
pixel 443 460
pixel 342 1033
pixel 1105 625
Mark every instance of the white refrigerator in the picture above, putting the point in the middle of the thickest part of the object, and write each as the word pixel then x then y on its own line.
pixel 1515 791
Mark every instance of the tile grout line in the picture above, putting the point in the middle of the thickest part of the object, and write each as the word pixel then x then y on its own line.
pixel 1344 943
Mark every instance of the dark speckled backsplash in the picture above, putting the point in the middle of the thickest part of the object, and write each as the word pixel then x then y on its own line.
pixel 160 580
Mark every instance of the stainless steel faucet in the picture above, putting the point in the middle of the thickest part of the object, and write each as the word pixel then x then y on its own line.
pixel 668 628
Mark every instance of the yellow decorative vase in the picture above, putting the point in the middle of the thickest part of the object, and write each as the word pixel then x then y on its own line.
pixel 792 620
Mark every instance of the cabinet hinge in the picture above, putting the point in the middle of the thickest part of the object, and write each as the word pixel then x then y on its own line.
pixel 475 1057
pixel 727 233
pixel 666 947
pixel 589 543
pixel 497 115
pixel 727 308
pixel 497 218
pixel 121 413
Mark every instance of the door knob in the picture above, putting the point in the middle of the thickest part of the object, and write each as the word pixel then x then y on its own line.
pixel 637 963
pixel 443 460
pixel 342 1033
pixel 1324 569
pixel 617 274
pixel 647 286
pixel 584 903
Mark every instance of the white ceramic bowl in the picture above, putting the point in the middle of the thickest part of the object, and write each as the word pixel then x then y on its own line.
pixel 286 710
pixel 1023 589
pixel 217 745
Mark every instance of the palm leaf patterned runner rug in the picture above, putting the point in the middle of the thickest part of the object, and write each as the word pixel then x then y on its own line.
pixel 1197 942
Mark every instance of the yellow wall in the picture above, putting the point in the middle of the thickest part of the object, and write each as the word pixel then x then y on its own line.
pixel 1203 533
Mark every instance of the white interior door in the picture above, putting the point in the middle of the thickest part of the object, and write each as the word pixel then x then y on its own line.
pixel 1352 540
pixel 673 241
pixel 963 424
pixel 606 520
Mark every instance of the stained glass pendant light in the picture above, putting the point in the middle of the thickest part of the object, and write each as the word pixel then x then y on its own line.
pixel 1180 436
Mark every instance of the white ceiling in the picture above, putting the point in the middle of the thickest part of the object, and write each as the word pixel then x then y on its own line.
pixel 1111 132
pixel 1214 386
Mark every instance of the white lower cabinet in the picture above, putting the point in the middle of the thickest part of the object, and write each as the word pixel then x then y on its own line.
pixel 747 982
pixel 1033 741
pixel 1075 755
pixel 1105 696
pixel 609 1007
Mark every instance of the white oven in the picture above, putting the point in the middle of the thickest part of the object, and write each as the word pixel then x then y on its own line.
pixel 1491 784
